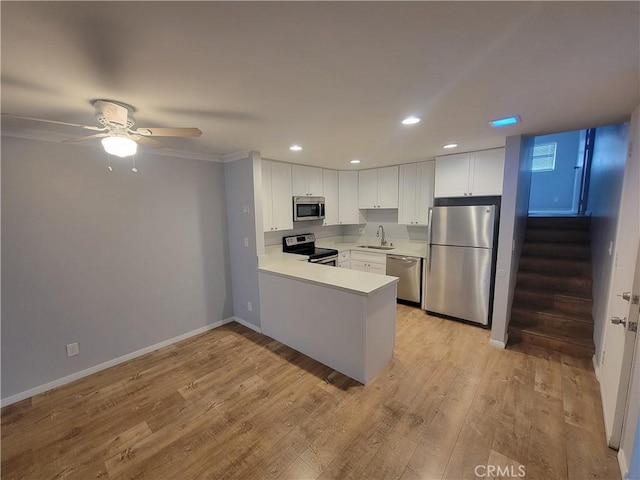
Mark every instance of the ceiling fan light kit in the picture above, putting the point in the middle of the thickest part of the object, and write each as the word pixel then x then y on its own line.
pixel 117 133
pixel 120 146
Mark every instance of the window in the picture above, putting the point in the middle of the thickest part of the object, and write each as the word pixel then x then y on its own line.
pixel 544 157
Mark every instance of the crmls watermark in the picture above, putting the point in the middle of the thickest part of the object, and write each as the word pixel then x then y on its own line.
pixel 500 471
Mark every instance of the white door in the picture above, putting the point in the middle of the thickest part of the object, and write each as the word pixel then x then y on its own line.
pixel 282 198
pixel 615 360
pixel 348 212
pixel 424 196
pixel 632 398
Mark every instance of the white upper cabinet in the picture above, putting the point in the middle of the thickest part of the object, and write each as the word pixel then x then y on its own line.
pixel 416 193
pixel 306 181
pixel 331 197
pixel 488 170
pixel 469 174
pixel 277 206
pixel 378 188
pixel 348 212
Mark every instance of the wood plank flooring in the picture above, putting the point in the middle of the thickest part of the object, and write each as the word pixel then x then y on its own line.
pixel 232 403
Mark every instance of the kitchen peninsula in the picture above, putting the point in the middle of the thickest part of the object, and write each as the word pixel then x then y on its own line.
pixel 342 318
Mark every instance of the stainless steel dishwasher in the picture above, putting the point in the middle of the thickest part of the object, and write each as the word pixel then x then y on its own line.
pixel 409 271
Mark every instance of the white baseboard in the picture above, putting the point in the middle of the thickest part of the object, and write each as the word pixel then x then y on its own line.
pixel 244 323
pixel 622 463
pixel 596 367
pixel 110 363
pixel 498 343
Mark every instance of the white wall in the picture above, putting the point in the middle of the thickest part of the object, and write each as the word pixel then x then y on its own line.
pixel 605 189
pixel 243 180
pixel 388 218
pixel 513 224
pixel 115 261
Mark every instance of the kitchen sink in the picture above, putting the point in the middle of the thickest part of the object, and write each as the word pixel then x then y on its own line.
pixel 376 247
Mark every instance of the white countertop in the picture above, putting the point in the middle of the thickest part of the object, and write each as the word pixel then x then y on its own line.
pixel 296 267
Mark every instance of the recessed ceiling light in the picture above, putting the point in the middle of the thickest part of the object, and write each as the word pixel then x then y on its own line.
pixel 295 148
pixel 355 161
pixel 411 120
pixel 450 145
pixel 503 122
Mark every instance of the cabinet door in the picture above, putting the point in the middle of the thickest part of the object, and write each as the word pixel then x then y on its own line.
pixel 282 197
pixel 314 181
pixel 299 186
pixel 267 200
pixel 368 188
pixel 452 176
pixel 344 264
pixel 330 192
pixel 408 196
pixel 487 169
pixel 348 212
pixel 359 265
pixel 377 268
pixel 424 191
pixel 388 187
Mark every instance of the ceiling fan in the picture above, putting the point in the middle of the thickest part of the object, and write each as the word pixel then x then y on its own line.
pixel 118 135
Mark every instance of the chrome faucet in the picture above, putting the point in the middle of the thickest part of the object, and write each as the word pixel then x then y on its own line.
pixel 383 239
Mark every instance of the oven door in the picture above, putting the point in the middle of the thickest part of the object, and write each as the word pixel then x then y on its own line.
pixel 308 208
pixel 330 261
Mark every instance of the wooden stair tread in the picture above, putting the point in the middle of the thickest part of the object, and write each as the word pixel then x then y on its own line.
pixel 540 331
pixel 572 297
pixel 550 312
pixel 556 276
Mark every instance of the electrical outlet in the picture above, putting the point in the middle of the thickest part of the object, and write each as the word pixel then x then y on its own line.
pixel 245 209
pixel 249 306
pixel 73 349
pixel 361 230
pixel 246 242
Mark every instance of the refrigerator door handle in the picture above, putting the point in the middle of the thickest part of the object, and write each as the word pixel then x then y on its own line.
pixel 429 225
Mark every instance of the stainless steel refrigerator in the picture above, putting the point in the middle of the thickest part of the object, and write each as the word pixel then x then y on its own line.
pixel 459 265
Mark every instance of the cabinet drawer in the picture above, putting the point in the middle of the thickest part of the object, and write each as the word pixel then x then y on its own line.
pixel 371 257
pixel 342 256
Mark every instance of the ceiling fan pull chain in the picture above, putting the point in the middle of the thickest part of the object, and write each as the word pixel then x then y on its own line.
pixel 134 169
pixel 109 160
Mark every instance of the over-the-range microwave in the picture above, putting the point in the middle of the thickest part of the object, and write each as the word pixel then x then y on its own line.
pixel 308 208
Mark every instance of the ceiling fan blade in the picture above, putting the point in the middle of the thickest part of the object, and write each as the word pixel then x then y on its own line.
pixel 86 127
pixel 112 112
pixel 80 139
pixel 147 142
pixel 168 132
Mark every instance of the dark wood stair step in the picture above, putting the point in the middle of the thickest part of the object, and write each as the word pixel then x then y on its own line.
pixel 556 250
pixel 576 347
pixel 555 266
pixel 559 223
pixel 581 237
pixel 559 302
pixel 564 325
pixel 559 283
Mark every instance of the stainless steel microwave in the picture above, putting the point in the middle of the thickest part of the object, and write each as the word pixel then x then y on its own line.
pixel 308 208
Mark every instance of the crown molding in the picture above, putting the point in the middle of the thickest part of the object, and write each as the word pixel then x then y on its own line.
pixel 232 157
pixel 44 136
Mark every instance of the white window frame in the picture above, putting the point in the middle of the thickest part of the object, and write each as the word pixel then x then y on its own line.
pixel 544 157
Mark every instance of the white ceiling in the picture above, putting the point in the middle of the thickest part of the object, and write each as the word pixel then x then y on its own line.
pixel 335 77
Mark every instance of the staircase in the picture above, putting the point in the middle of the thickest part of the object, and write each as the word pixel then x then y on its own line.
pixel 552 300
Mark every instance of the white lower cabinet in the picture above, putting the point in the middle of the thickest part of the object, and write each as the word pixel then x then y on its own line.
pixel 368 262
pixel 344 259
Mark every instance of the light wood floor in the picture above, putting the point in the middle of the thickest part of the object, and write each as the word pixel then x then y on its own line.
pixel 232 403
